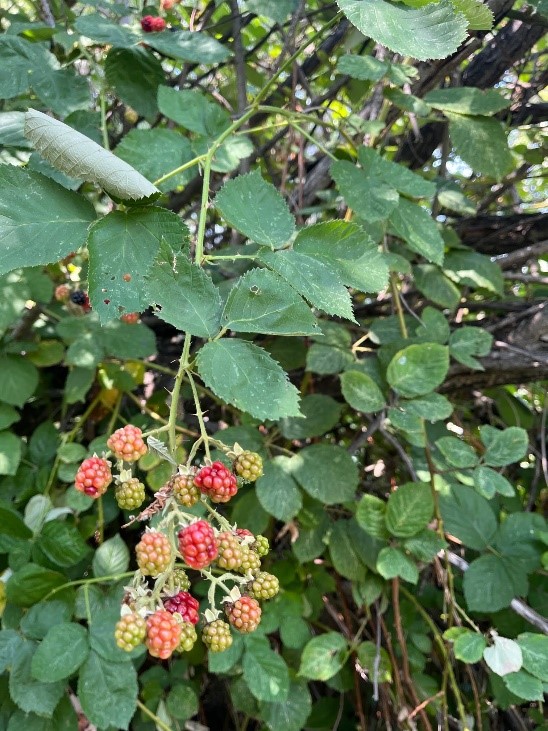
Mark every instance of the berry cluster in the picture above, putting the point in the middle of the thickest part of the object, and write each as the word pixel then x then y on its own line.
pixel 160 609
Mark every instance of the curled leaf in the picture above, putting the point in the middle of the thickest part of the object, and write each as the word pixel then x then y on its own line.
pixel 76 155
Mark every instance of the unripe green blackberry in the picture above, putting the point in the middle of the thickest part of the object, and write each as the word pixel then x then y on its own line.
pixel 217 636
pixel 181 580
pixel 250 560
pixel 130 495
pixel 263 586
pixel 261 546
pixel 184 490
pixel 188 635
pixel 230 551
pixel 153 553
pixel 249 466
pixel 130 631
pixel 244 614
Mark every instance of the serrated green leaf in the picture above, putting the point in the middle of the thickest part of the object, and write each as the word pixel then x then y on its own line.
pixel 468 516
pixel 76 155
pixel 370 515
pixel 155 152
pixel 467 100
pixel 405 181
pixel 504 656
pixel 277 10
pixel 245 376
pixel 504 447
pixel 31 695
pixel 415 226
pixel 265 672
pixel 524 686
pixel 194 111
pixel 323 656
pixel 433 31
pixel 488 584
pixel 107 691
pixel 98 28
pixel 185 297
pixel 409 509
pixel 343 554
pixel 41 226
pixel 361 392
pixel 469 647
pixel 477 13
pixel 263 302
pixel 256 209
pixel 436 286
pixel 534 648
pixel 290 715
pixel 61 652
pixel 349 250
pixel 320 414
pixel 425 545
pixel 135 74
pixel 10 453
pixel 457 452
pixel 392 563
pixel 31 583
pixel 468 342
pixel 41 617
pixel 277 491
pixel 112 557
pixel 482 143
pixel 126 243
pixel 62 543
pixel 487 482
pixel 418 369
pixel 431 407
pixel 190 46
pixel 364 68
pixel 474 270
pixel 371 198
pixel 326 472
pixel 315 280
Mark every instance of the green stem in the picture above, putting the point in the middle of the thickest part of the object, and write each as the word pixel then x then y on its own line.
pixel 223 522
pixel 397 302
pixel 104 130
pixel 159 723
pixel 100 520
pixel 172 420
pixel 199 414
pixel 180 169
pixel 95 580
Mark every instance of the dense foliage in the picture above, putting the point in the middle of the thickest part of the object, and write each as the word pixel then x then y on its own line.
pixel 299 243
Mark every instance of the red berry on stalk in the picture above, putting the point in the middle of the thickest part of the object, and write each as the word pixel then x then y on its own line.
pixel 217 482
pixel 147 23
pixel 163 634
pixel 243 532
pixel 158 25
pixel 245 614
pixel 93 477
pixel 184 604
pixel 198 545
pixel 127 443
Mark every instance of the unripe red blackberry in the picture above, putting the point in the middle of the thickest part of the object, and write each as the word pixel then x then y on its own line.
pixel 127 443
pixel 158 25
pixel 184 604
pixel 153 553
pixel 230 552
pixel 93 477
pixel 188 636
pixel 130 495
pixel 263 586
pixel 163 634
pixel 243 532
pixel 197 544
pixel 184 490
pixel 130 318
pixel 147 23
pixel 180 579
pixel 217 636
pixel 261 545
pixel 244 614
pixel 130 631
pixel 62 293
pixel 249 466
pixel 217 482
